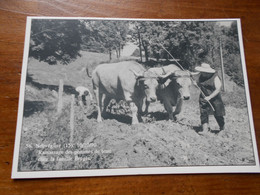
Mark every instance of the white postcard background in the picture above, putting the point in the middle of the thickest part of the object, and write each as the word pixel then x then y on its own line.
pixel 127 171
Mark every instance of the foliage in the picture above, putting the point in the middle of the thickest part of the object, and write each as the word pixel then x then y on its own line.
pixel 55 41
pixel 193 42
pixel 231 54
pixel 106 36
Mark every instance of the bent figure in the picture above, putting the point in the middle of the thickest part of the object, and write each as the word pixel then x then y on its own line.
pixel 82 93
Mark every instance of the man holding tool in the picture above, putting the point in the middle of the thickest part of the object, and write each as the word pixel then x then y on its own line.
pixel 210 99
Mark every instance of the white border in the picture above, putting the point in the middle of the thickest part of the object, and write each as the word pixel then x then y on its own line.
pixel 128 171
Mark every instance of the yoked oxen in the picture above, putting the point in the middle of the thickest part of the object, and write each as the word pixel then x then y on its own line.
pixel 127 81
pixel 173 88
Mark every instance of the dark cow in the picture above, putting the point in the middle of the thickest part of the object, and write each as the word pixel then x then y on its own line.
pixel 174 90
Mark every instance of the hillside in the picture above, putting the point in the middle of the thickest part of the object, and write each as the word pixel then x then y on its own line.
pixel 114 143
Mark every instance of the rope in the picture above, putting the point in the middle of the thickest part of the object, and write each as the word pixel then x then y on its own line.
pixel 172 57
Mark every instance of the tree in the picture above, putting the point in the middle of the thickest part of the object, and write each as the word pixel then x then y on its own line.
pixel 231 54
pixel 56 40
pixel 107 36
pixel 192 42
pixel 136 36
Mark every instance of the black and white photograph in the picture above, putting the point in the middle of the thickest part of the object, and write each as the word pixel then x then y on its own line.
pixel 103 96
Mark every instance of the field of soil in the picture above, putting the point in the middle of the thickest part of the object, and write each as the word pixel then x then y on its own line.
pixel 115 143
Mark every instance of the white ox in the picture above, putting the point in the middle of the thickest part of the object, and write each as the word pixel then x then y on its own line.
pixel 127 81
pixel 174 90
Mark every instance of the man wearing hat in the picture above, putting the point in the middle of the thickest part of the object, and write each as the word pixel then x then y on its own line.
pixel 210 85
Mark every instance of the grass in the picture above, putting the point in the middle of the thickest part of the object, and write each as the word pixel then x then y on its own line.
pixel 73 74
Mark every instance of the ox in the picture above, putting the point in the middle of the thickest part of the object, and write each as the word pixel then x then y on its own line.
pixel 173 89
pixel 127 81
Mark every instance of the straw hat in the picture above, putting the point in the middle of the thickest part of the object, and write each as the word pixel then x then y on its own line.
pixel 205 68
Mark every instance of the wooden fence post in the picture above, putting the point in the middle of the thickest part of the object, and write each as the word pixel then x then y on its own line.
pixel 60 101
pixel 72 118
pixel 222 66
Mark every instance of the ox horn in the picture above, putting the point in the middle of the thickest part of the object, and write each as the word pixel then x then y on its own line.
pixel 194 73
pixel 136 74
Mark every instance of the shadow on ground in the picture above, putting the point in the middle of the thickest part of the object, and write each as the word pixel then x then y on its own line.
pixel 158 116
pixel 31 107
pixel 120 118
pixel 66 88
pixel 199 130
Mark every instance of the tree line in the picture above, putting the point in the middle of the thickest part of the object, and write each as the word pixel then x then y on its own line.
pixel 55 41
pixel 191 42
